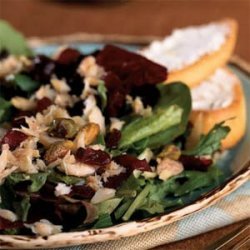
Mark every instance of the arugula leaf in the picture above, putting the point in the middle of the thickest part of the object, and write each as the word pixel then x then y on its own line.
pixel 197 180
pixel 25 83
pixel 37 180
pixel 120 211
pixel 4 109
pixel 108 206
pixel 144 127
pixel 104 220
pixel 102 92
pixel 12 40
pixel 137 202
pixel 210 143
pixel 56 177
pixel 22 208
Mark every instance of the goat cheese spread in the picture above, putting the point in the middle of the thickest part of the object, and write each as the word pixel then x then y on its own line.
pixel 214 93
pixel 186 46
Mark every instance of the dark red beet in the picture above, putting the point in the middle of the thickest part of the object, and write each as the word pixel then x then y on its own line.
pixel 13 138
pixel 131 163
pixel 43 68
pixel 195 163
pixel 112 138
pixel 131 67
pixel 68 56
pixel 92 157
pixel 43 104
pixel 82 192
pixel 125 72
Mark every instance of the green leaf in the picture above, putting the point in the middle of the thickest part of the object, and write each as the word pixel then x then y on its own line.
pixel 22 208
pixel 144 127
pixel 25 83
pixel 172 94
pixel 100 139
pixel 210 143
pixel 108 206
pixel 5 107
pixel 12 40
pixel 103 221
pixel 37 180
pixel 197 180
pixel 56 177
pixel 137 202
pixel 102 92
pixel 120 211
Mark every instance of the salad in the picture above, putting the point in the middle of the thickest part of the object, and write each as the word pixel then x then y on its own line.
pixel 91 141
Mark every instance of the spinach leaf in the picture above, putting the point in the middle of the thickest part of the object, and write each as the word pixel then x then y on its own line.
pixel 5 107
pixel 144 127
pixel 25 83
pixel 104 220
pixel 210 143
pixel 102 92
pixel 172 94
pixel 12 40
pixel 37 180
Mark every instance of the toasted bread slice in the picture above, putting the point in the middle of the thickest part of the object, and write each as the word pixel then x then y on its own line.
pixel 192 54
pixel 232 110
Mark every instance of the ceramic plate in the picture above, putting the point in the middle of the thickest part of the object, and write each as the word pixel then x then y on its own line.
pixel 235 164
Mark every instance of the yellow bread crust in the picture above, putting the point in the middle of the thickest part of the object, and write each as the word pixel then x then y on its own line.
pixel 204 120
pixel 192 75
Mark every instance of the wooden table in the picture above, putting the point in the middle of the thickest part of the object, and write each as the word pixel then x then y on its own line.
pixel 134 17
pixel 131 17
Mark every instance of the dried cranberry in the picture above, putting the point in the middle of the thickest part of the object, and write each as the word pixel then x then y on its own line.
pixel 195 162
pixel 13 138
pixel 92 157
pixel 43 104
pixel 82 192
pixel 75 81
pixel 68 56
pixel 131 163
pixel 6 224
pixel 112 138
pixel 116 180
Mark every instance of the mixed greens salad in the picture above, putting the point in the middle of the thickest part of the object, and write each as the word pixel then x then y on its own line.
pixel 90 141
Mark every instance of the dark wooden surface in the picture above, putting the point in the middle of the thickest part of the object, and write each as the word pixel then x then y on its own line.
pixel 135 17
pixel 131 17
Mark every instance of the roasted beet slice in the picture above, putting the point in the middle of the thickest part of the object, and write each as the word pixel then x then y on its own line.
pixel 195 162
pixel 43 68
pixel 112 138
pixel 13 138
pixel 92 157
pixel 131 163
pixel 19 119
pixel 130 67
pixel 68 56
pixel 128 72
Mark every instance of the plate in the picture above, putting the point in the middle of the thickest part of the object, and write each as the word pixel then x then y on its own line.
pixel 235 164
